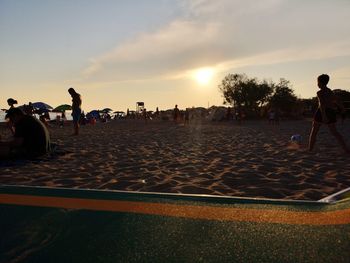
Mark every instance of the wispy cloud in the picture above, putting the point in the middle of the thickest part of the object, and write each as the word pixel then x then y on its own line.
pixel 178 45
pixel 229 34
pixel 305 53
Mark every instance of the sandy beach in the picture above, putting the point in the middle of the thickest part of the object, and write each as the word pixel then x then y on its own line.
pixel 254 159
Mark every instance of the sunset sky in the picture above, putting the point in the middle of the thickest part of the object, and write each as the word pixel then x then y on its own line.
pixel 166 52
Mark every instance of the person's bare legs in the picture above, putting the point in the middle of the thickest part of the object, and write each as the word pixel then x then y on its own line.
pixel 338 136
pixel 76 128
pixel 312 138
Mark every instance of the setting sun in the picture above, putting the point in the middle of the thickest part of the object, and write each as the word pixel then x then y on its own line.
pixel 204 75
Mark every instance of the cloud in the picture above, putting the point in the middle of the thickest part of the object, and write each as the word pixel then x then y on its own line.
pixel 229 34
pixel 179 45
pixel 306 53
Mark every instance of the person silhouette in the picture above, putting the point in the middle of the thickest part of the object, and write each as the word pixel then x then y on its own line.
pixel 326 113
pixel 30 139
pixel 176 114
pixel 76 109
pixel 11 102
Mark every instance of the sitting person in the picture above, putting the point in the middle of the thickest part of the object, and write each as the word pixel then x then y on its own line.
pixel 11 102
pixel 31 138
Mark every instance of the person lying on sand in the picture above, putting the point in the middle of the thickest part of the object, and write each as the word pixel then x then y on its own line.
pixel 31 138
pixel 326 113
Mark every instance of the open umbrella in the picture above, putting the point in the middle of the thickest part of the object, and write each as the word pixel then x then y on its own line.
pixel 41 106
pixel 94 113
pixel 63 108
pixel 106 110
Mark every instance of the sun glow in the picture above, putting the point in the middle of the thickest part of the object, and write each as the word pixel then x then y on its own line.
pixel 204 75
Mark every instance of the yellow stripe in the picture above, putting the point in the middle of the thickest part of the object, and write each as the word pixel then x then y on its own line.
pixel 186 211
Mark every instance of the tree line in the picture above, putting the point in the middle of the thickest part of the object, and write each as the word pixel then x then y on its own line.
pixel 257 97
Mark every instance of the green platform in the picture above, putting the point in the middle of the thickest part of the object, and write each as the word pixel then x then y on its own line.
pixel 68 225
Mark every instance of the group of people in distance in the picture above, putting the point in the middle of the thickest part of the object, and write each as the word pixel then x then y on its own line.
pixel 31 137
pixel 179 116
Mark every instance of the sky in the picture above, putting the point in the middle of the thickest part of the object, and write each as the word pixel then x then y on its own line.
pixel 166 52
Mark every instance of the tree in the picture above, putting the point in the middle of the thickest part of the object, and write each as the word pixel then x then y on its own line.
pixel 343 96
pixel 283 97
pixel 247 93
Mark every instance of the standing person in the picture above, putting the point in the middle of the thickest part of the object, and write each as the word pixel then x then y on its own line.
pixel 272 116
pixel 156 113
pixel 239 115
pixel 187 116
pixel 76 108
pixel 176 114
pixel 229 114
pixel 29 109
pixel 326 113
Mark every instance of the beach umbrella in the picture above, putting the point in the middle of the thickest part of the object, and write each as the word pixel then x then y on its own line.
pixel 63 108
pixel 106 110
pixel 42 106
pixel 94 113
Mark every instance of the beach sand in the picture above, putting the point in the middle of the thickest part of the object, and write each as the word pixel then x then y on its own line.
pixel 254 159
